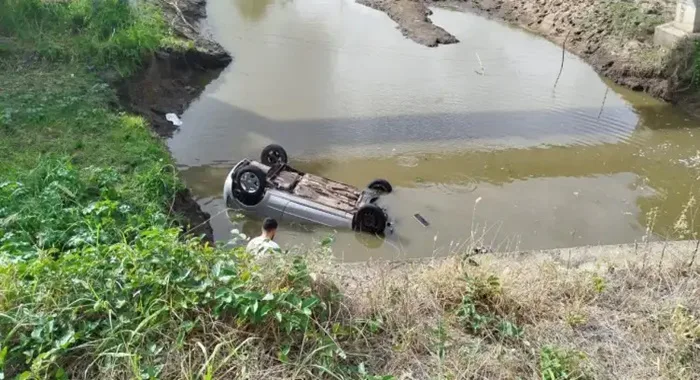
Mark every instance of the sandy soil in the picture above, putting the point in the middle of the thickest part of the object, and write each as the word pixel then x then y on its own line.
pixel 615 37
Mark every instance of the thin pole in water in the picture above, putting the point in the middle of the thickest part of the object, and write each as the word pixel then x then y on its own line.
pixel 563 50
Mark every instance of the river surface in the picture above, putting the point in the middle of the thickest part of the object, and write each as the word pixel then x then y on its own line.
pixel 474 136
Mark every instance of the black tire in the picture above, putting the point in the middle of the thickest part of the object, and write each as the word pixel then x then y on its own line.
pixel 381 185
pixel 370 218
pixel 273 154
pixel 243 185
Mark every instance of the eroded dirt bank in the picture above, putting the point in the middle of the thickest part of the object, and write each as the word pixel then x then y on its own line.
pixel 413 21
pixel 615 37
pixel 170 81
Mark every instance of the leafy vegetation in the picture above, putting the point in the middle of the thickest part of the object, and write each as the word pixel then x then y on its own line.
pixel 561 364
pixel 88 271
pixel 95 281
pixel 477 313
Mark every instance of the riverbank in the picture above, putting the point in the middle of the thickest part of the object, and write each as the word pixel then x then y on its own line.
pixel 604 312
pixel 182 311
pixel 152 64
pixel 613 37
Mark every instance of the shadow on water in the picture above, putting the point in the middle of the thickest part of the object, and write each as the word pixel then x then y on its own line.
pixel 232 132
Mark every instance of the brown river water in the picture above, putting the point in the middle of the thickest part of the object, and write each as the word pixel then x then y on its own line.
pixel 473 136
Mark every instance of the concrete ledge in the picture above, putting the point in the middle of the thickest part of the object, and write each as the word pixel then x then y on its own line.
pixel 668 35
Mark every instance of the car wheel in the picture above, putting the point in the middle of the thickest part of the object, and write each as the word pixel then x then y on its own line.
pixel 381 185
pixel 370 218
pixel 273 154
pixel 249 185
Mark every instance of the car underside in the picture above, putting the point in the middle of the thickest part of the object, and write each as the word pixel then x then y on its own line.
pixel 273 188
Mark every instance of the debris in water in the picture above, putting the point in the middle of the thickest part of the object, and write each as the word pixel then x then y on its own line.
pixel 422 221
pixel 171 117
pixel 691 162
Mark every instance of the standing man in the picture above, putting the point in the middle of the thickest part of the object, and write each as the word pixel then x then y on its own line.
pixel 264 243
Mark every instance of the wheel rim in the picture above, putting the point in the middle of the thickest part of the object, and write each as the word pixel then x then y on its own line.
pixel 274 156
pixel 249 182
pixel 369 221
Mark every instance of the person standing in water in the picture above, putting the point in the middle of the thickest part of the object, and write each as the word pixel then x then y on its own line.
pixel 264 243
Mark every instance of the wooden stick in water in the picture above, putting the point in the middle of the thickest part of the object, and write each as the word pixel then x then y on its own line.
pixel 563 50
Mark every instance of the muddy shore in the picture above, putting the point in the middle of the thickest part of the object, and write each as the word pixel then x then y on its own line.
pixel 613 37
pixel 169 82
pixel 413 20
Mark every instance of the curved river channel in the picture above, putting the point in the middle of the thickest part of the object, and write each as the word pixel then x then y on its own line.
pixel 473 136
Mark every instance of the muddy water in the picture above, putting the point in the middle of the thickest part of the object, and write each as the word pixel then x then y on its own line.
pixel 473 136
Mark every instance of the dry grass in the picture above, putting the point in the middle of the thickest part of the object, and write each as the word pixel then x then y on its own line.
pixel 623 314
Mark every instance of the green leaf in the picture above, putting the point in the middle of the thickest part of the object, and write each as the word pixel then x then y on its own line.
pixel 36 333
pixel 264 310
pixel 26 375
pixel 61 374
pixel 66 339
pixel 255 307
pixel 309 302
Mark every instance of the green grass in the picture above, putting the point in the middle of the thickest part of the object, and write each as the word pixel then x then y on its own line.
pixel 62 110
pixel 630 22
pixel 102 33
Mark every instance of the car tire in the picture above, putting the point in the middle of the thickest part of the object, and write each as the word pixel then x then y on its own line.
pixel 249 185
pixel 370 218
pixel 273 154
pixel 381 185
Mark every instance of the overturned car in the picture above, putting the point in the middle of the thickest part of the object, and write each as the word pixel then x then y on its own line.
pixel 272 188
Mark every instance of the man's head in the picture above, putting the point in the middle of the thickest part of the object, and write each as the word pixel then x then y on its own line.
pixel 269 228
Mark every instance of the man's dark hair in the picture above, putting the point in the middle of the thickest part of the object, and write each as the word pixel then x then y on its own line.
pixel 269 224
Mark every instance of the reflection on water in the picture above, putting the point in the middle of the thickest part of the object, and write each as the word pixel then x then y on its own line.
pixel 253 10
pixel 579 164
